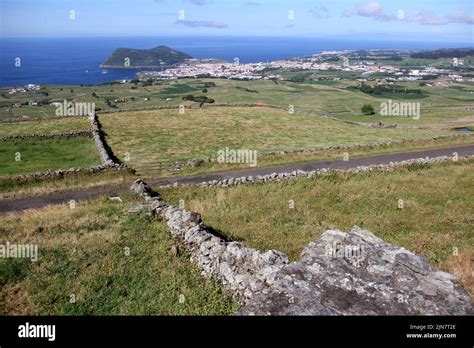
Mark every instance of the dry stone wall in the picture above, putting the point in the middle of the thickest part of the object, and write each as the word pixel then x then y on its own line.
pixel 60 173
pixel 108 161
pixel 282 176
pixel 365 146
pixel 373 278
pixel 64 135
pixel 241 270
pixel 190 163
pixel 99 140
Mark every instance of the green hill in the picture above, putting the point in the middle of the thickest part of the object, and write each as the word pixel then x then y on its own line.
pixel 161 56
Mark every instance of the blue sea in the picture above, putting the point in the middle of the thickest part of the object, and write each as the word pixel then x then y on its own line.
pixel 75 61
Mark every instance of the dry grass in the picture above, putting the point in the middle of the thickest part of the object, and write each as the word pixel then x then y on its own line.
pixel 165 136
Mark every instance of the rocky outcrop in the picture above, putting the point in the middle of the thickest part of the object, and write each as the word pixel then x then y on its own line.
pixel 357 273
pixel 340 273
pixel 64 135
pixel 241 270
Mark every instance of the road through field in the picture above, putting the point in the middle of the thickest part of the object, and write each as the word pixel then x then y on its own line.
pixel 19 204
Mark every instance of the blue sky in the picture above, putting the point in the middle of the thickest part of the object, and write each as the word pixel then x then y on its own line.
pixel 431 20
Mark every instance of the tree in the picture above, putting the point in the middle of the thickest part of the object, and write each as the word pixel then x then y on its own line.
pixel 368 109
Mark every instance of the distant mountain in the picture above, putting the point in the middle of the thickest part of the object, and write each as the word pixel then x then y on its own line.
pixel 160 56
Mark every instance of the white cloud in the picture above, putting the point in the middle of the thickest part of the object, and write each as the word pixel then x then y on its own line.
pixel 425 18
pixel 461 17
pixel 370 9
pixel 252 3
pixel 200 24
pixel 319 12
pixel 374 10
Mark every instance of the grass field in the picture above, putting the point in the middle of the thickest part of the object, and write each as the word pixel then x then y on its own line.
pixel 68 124
pixel 302 157
pixel 151 137
pixel 83 252
pixel 439 106
pixel 437 216
pixel 13 188
pixel 42 155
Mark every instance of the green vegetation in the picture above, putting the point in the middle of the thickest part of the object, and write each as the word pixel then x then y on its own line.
pixel 437 214
pixel 166 136
pixel 83 252
pixel 440 106
pixel 246 89
pixel 199 99
pixel 42 155
pixel 367 109
pixel 389 91
pixel 445 53
pixel 61 125
pixel 155 57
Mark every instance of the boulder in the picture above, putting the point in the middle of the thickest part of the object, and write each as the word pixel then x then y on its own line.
pixel 357 273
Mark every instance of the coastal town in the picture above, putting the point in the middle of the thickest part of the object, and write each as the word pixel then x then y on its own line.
pixel 371 63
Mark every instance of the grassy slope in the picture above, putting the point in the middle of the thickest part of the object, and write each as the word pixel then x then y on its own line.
pixel 82 252
pixel 437 216
pixel 41 155
pixel 150 137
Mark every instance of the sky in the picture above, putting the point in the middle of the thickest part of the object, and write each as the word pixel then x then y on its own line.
pixel 430 20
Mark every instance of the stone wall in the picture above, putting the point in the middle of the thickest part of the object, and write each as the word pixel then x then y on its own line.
pixel 64 135
pixel 366 146
pixel 60 173
pixel 319 172
pixel 98 138
pixel 242 271
pixel 176 166
pixel 108 160
pixel 379 280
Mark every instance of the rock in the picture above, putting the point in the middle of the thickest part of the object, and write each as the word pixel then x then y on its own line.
pixel 116 199
pixel 141 188
pixel 194 163
pixel 358 274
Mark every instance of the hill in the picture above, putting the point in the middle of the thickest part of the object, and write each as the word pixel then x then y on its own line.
pixel 160 56
pixel 444 53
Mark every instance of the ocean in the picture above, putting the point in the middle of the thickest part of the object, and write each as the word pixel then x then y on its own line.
pixel 75 61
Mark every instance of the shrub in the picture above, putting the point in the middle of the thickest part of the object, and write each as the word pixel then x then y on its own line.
pixel 368 109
